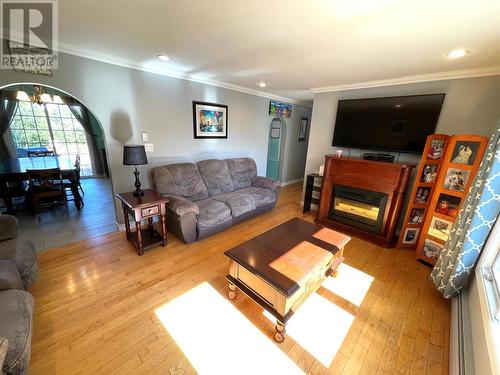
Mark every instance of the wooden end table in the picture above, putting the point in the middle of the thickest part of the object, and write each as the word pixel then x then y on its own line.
pixel 282 267
pixel 144 207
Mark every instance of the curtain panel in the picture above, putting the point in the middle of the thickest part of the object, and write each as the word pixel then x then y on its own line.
pixel 470 231
pixel 82 115
pixel 8 107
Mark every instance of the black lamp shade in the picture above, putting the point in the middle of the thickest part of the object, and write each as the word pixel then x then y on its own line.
pixel 134 155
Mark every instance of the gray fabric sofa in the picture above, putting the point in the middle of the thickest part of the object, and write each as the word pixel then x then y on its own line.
pixel 18 271
pixel 211 195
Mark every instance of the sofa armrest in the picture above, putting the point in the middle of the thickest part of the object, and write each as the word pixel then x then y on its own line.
pixel 267 183
pixel 8 227
pixel 9 275
pixel 4 345
pixel 181 206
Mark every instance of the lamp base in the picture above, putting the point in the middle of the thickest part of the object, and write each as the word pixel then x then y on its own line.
pixel 139 193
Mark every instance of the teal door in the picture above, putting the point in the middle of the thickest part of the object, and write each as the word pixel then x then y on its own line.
pixel 274 149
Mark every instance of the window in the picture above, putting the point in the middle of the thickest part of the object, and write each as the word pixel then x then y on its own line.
pixel 50 126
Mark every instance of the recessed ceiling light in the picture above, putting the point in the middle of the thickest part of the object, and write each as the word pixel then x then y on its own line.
pixel 457 53
pixel 397 105
pixel 262 84
pixel 163 57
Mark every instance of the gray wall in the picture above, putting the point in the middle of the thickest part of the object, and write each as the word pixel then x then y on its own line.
pixel 128 102
pixel 471 106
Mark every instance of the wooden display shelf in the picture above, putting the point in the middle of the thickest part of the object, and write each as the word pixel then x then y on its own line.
pixel 459 167
pixel 435 146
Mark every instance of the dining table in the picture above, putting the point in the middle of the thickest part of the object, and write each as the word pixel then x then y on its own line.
pixel 14 171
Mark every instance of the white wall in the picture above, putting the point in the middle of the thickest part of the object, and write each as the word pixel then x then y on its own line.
pixel 128 102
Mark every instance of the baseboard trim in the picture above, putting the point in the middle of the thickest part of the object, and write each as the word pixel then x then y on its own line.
pixel 291 182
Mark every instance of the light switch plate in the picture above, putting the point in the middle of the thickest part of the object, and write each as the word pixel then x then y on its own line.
pixel 149 147
pixel 145 136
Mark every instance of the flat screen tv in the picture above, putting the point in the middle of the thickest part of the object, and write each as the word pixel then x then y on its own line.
pixel 399 124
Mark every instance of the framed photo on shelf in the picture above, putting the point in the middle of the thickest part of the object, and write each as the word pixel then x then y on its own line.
pixel 416 216
pixel 432 249
pixel 456 179
pixel 209 120
pixel 440 228
pixel 303 122
pixel 423 195
pixel 410 236
pixel 429 173
pixel 448 205
pixel 465 152
pixel 436 149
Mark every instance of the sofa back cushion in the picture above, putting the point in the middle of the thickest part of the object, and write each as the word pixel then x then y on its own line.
pixel 241 170
pixel 179 179
pixel 215 174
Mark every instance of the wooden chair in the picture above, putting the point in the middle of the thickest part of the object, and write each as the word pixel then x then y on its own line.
pixel 40 153
pixel 78 172
pixel 68 185
pixel 46 189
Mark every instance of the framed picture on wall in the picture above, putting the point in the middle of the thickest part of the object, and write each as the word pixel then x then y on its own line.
pixel 279 109
pixel 209 120
pixel 303 123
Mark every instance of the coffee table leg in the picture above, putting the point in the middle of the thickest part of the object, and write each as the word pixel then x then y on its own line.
pixel 233 291
pixel 280 333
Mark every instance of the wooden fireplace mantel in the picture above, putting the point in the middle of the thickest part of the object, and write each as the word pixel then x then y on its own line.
pixel 389 178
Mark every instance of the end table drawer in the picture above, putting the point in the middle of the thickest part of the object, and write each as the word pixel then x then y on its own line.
pixel 150 211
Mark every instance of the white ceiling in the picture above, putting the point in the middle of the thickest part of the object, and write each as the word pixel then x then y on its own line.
pixel 292 45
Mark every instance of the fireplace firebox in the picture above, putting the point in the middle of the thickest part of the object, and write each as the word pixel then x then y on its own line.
pixel 359 208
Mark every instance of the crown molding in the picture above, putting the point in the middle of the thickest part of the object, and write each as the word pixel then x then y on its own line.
pixel 440 76
pixel 109 59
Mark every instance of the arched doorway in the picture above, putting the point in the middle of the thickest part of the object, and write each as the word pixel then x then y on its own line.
pixel 49 127
pixel 275 148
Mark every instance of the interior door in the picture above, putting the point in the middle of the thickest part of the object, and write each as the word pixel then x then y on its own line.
pixel 274 149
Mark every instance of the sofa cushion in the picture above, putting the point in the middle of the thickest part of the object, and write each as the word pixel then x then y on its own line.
pixel 212 212
pixel 24 255
pixel 181 179
pixel 16 318
pixel 9 276
pixel 239 203
pixel 261 196
pixel 215 174
pixel 241 170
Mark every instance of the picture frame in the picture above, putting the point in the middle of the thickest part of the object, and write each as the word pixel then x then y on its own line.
pixel 456 179
pixel 465 152
pixel 436 149
pixel 210 120
pixel 423 195
pixel 448 205
pixel 440 228
pixel 279 109
pixel 429 173
pixel 416 216
pixel 302 134
pixel 410 236
pixel 432 249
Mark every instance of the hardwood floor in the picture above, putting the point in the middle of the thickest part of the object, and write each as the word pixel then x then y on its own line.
pixel 101 309
pixel 58 227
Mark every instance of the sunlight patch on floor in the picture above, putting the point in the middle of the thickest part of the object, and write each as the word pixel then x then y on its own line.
pixel 319 326
pixel 218 339
pixel 350 284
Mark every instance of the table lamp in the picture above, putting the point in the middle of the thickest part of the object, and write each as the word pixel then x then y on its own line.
pixel 135 155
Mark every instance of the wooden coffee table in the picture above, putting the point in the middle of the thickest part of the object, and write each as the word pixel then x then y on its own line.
pixel 280 268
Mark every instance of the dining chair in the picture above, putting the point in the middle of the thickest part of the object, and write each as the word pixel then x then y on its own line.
pixel 46 189
pixel 13 192
pixel 78 169
pixel 40 153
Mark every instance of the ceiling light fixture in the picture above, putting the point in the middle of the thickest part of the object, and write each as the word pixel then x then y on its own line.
pixel 163 57
pixel 262 84
pixel 457 53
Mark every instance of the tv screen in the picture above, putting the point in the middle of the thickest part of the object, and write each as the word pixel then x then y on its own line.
pixel 399 124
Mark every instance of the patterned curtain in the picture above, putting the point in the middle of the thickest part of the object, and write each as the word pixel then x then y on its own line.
pixel 8 106
pixel 470 231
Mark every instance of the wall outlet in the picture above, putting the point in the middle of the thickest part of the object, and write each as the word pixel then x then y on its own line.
pixel 145 136
pixel 149 147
